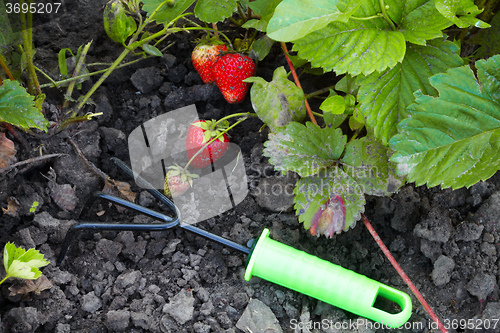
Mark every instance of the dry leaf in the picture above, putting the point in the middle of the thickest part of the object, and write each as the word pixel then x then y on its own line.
pixel 12 207
pixel 27 286
pixel 7 151
pixel 120 189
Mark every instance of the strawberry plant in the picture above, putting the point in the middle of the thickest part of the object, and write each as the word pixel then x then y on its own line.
pixel 403 107
pixel 22 264
pixel 394 63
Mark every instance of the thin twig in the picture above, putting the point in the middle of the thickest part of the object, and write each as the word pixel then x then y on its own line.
pixel 29 161
pixel 401 273
pixel 91 165
pixel 297 82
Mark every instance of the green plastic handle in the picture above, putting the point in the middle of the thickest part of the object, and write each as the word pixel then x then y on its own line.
pixel 330 283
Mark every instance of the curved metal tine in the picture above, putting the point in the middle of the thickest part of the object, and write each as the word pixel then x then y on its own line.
pixel 200 232
pixel 169 222
pixel 145 184
pixel 138 208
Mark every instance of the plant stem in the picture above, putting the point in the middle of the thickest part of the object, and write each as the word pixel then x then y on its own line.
pixel 103 77
pixel 78 67
pixel 56 83
pixel 212 140
pixel 297 82
pixel 6 69
pixel 319 92
pixel 401 273
pixel 386 17
pixel 5 278
pixel 379 15
pixel 66 122
pixel 242 114
pixel 27 35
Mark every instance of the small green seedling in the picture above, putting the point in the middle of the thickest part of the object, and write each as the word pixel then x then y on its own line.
pixel 34 206
pixel 22 264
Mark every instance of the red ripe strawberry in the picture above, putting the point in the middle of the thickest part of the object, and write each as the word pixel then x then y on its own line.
pixel 177 181
pixel 230 71
pixel 199 133
pixel 204 57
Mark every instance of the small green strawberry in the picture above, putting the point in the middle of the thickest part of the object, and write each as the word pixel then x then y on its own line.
pixel 204 57
pixel 230 71
pixel 177 181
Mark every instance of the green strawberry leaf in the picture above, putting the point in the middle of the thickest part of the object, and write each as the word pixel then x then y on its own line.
pixel 263 8
pixel 453 140
pixel 334 120
pixel 166 13
pixel 210 11
pixel 368 42
pixel 17 107
pixel 22 264
pixel 151 50
pixel 311 193
pixel 384 96
pixel 355 47
pixel 261 47
pixel 294 19
pixel 333 104
pixel 304 149
pixel 366 161
pixel 357 121
pixel 277 102
pixel 417 20
pixel 347 84
pixel 461 12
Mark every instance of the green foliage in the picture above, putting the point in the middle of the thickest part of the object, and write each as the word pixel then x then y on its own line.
pixel 151 50
pixel 461 12
pixel 263 8
pixel 117 24
pixel 277 102
pixel 384 96
pixel 215 11
pixel 163 12
pixel 453 140
pixel 17 107
pixel 317 149
pixel 333 104
pixel 294 19
pixel 9 35
pixel 417 20
pixel 354 47
pixel 19 263
pixel 311 193
pixel 366 160
pixel 329 166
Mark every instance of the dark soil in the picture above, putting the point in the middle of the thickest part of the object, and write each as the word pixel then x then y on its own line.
pixel 446 241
